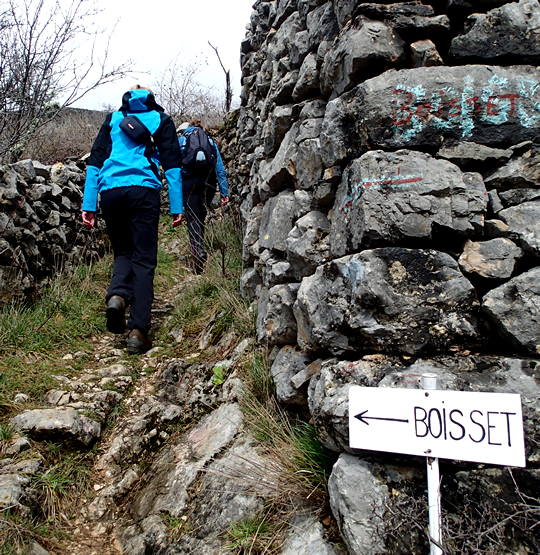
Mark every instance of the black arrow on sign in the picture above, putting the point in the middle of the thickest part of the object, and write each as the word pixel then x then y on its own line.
pixel 364 419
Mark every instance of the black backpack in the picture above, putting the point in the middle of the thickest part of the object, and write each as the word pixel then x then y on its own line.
pixel 198 154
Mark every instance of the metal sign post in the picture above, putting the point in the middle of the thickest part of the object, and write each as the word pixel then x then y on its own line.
pixel 429 382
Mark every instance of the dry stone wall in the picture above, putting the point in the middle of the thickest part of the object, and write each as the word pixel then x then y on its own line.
pixel 390 189
pixel 40 229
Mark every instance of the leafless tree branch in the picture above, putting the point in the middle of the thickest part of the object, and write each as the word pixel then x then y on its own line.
pixel 184 97
pixel 228 88
pixel 41 71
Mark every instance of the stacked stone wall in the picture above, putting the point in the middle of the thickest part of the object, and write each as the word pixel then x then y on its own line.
pixel 390 189
pixel 41 233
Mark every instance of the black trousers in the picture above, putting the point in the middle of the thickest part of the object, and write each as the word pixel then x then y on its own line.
pixel 197 199
pixel 132 216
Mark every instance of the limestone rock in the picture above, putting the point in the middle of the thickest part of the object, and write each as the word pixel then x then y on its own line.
pixel 284 89
pixel 233 489
pixel 358 501
pixel 421 107
pixel 278 174
pixel 306 537
pixel 276 127
pixel 57 423
pixel 387 300
pixel 509 32
pixel 177 467
pixel 308 79
pixel 356 54
pixel 523 171
pixel 276 324
pixel 328 394
pixel 410 19
pixel 250 284
pixel 515 309
pixel 12 487
pixel 281 41
pixel 424 54
pixel 251 235
pixel 513 197
pixel 275 270
pixel 522 221
pixel 149 535
pixel 321 24
pixel 308 166
pixel 465 154
pixel 26 169
pixel 36 549
pixel 493 259
pixel 387 198
pixel 288 363
pixel 307 244
pixel 276 221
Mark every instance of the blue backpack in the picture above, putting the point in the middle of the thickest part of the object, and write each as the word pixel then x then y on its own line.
pixel 198 153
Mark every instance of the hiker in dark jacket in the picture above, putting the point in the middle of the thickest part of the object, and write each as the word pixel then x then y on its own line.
pixel 199 188
pixel 126 175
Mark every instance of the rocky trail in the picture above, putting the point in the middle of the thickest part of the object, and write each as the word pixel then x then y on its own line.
pixel 134 406
pixel 88 534
pixel 172 465
pixel 114 388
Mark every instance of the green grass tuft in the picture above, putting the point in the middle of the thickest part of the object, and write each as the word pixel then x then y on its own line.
pixel 34 337
pixel 251 535
pixel 62 482
pixel 214 295
pixel 301 464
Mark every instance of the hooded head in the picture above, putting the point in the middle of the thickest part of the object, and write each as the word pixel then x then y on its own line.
pixel 140 99
pixel 182 128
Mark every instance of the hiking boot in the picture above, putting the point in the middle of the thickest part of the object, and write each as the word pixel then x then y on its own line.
pixel 199 261
pixel 116 314
pixel 138 342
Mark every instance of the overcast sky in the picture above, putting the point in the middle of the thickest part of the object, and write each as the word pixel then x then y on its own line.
pixel 153 32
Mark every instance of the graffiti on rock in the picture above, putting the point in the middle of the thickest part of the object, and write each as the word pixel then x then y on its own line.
pixel 501 100
pixel 396 182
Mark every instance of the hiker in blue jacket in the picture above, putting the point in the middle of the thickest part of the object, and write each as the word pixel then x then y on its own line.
pixel 126 175
pixel 199 187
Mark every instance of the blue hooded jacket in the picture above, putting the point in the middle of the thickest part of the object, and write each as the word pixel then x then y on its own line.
pixel 220 166
pixel 118 161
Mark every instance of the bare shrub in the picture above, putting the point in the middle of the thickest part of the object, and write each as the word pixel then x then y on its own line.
pixel 183 96
pixel 70 134
pixel 473 522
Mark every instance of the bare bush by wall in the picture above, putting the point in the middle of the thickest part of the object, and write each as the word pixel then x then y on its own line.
pixel 70 134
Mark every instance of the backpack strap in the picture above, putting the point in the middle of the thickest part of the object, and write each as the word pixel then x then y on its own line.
pixel 150 141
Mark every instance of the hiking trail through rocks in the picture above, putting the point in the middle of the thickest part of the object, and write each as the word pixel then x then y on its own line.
pixel 111 364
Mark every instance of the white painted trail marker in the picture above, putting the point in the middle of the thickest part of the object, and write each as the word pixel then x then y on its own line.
pixel 463 425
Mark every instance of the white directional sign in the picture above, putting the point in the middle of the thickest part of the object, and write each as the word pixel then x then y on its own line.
pixel 463 425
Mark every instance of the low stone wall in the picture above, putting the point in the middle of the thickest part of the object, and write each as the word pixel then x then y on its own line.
pixel 390 184
pixel 41 233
